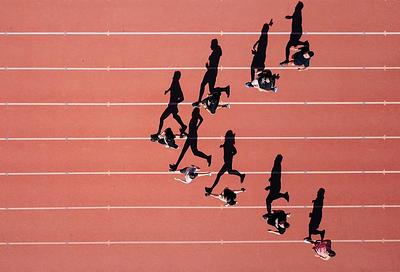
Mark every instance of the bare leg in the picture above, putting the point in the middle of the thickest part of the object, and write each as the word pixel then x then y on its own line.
pixel 202 174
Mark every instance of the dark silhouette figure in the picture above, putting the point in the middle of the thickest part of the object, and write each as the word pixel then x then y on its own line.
pixel 277 219
pixel 212 102
pixel 302 57
pixel 275 184
pixel 229 152
pixel 265 81
pixel 167 138
pixel 210 76
pixel 316 216
pixel 228 196
pixel 260 51
pixel 191 140
pixel 176 97
pixel 297 30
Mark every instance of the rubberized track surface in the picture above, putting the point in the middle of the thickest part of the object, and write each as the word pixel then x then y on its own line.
pixel 82 189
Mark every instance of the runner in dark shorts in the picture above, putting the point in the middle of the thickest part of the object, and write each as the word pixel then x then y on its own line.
pixel 190 173
pixel 212 102
pixel 228 196
pixel 167 138
pixel 266 81
pixel 277 219
pixel 302 57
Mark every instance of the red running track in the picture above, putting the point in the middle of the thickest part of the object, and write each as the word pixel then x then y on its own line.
pixel 149 222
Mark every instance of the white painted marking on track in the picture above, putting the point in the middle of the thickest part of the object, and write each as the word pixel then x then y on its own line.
pixel 185 242
pixel 252 138
pixel 129 104
pixel 108 207
pixel 191 68
pixel 301 172
pixel 194 33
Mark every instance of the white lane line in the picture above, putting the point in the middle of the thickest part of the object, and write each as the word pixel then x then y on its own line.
pixel 3 68
pixel 221 33
pixel 79 208
pixel 260 103
pixel 252 138
pixel 185 242
pixel 109 173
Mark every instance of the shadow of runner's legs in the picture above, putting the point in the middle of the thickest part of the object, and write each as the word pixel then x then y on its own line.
pixel 164 116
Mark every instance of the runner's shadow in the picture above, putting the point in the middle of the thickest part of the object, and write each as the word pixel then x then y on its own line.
pixel 229 152
pixel 191 140
pixel 275 184
pixel 176 97
pixel 297 30
pixel 316 215
pixel 259 51
pixel 210 77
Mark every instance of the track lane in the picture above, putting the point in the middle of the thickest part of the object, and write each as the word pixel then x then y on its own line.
pixel 188 258
pixel 141 86
pixel 150 190
pixel 261 120
pixel 183 225
pixel 187 51
pixel 195 16
pixel 124 156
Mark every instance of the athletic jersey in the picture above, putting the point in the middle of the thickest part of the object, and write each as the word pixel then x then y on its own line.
pixel 189 170
pixel 229 195
pixel 275 218
pixel 322 248
pixel 299 59
pixel 262 80
pixel 212 102
pixel 266 85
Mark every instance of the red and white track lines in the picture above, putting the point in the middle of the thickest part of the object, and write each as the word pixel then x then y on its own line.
pixel 83 189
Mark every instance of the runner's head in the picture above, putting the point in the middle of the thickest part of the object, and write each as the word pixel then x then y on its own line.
pixel 299 6
pixel 265 29
pixel 321 193
pixel 177 75
pixel 308 55
pixel 278 158
pixel 214 44
pixel 230 137
pixel 331 253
